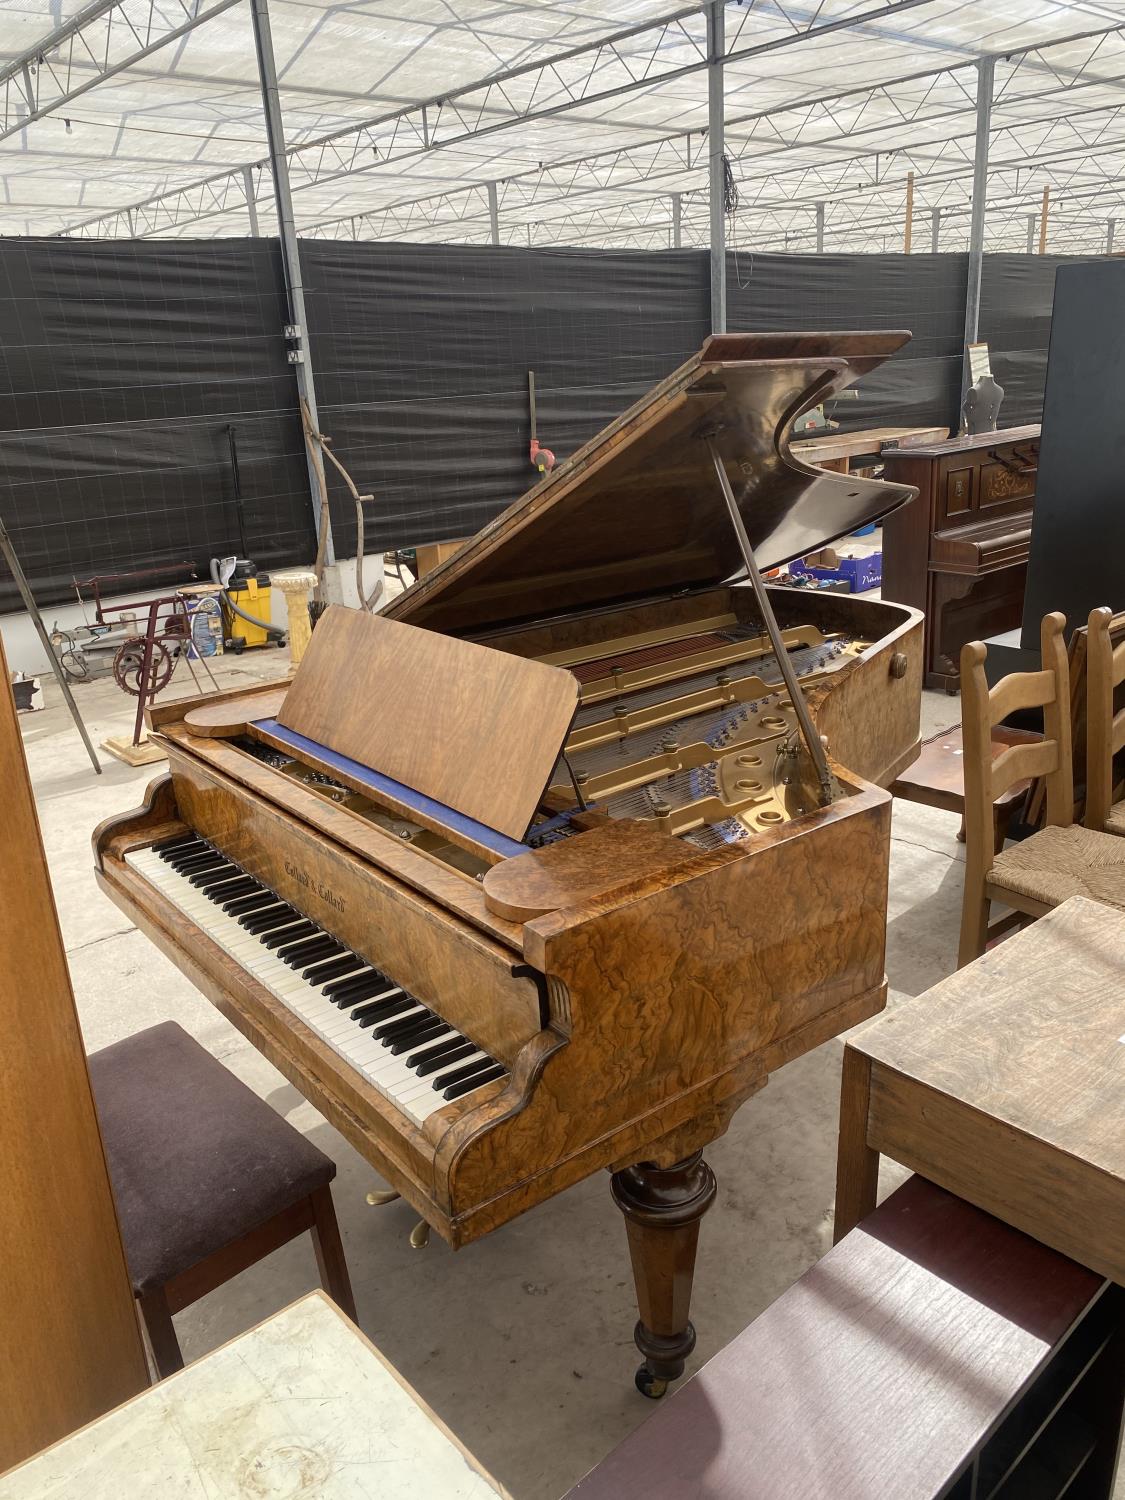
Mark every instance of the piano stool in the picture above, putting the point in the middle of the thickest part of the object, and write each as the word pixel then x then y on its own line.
pixel 207 1178
pixel 934 1351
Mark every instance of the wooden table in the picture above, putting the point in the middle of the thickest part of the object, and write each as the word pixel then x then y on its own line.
pixel 937 777
pixel 1006 1084
pixel 300 1405
pixel 836 450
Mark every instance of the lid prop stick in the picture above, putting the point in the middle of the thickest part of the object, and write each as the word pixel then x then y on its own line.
pixel 800 707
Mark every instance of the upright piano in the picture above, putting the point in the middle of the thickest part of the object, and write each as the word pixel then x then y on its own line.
pixel 960 551
pixel 546 868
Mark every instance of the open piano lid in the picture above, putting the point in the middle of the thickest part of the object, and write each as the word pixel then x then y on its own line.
pixel 638 512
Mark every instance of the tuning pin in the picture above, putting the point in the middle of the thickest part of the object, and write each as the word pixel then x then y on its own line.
pixel 384 1195
pixel 420 1235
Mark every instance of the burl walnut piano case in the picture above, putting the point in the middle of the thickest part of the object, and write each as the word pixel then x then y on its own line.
pixel 616 879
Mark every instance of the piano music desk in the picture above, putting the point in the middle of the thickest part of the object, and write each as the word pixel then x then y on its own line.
pixel 1005 1083
pixel 301 1405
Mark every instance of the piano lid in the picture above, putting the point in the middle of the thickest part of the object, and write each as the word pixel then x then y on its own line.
pixel 638 512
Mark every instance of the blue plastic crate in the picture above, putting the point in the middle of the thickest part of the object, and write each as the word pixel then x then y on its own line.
pixel 859 573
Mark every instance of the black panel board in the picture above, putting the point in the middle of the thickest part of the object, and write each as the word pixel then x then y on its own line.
pixel 1078 537
pixel 422 355
pixel 123 363
pixel 924 293
pixel 121 367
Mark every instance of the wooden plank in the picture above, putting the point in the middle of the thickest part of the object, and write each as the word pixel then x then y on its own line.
pixel 228 719
pixel 72 1348
pixel 876 1375
pixel 301 1404
pixel 477 729
pixel 578 870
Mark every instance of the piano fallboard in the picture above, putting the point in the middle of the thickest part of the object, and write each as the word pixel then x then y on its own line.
pixel 984 548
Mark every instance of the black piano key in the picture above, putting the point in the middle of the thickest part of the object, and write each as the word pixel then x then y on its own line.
pixel 428 1033
pixel 440 1057
pixel 254 902
pixel 382 1010
pixel 196 862
pixel 178 842
pixel 267 917
pixel 457 1075
pixel 227 889
pixel 307 950
pixel 455 1090
pixel 270 920
pixel 425 1051
pixel 368 989
pixel 332 968
pixel 337 989
pixel 295 932
pixel 377 1009
pixel 186 851
pixel 390 1031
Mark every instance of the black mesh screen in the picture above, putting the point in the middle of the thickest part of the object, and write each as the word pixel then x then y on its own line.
pixel 123 364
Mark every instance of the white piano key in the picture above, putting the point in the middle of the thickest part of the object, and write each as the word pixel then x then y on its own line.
pixel 369 1055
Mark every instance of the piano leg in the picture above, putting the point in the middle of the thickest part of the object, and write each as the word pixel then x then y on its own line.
pixel 662 1208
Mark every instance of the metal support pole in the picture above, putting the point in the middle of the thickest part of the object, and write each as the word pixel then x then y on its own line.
pixel 677 221
pixel 769 620
pixel 716 46
pixel 290 255
pixel 494 213
pixel 1031 220
pixel 935 230
pixel 908 232
pixel 1043 221
pixel 251 205
pixel 1110 227
pixel 16 569
pixel 986 72
pixel 820 228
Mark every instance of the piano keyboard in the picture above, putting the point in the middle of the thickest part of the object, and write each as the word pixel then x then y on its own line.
pixel 400 1046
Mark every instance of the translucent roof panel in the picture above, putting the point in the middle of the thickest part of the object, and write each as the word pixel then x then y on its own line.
pixel 535 123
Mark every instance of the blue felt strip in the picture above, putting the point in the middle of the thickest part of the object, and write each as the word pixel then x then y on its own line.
pixel 499 843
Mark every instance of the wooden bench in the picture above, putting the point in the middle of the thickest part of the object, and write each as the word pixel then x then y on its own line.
pixel 935 1351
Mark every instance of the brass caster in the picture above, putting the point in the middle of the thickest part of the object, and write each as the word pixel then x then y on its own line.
pixel 383 1195
pixel 420 1235
pixel 650 1385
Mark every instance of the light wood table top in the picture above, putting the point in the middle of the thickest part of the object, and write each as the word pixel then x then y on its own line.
pixel 833 445
pixel 301 1405
pixel 1006 1084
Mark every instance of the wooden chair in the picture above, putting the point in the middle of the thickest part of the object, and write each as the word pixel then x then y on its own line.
pixel 1105 730
pixel 1063 858
pixel 207 1178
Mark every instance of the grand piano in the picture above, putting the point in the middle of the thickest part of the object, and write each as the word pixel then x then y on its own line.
pixel 546 869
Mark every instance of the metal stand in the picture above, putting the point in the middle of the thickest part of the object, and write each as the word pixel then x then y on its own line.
pixel 37 620
pixel 800 707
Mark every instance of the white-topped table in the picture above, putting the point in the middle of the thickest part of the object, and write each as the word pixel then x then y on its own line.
pixel 301 1405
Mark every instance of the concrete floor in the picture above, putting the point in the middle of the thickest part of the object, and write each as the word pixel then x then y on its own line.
pixel 523 1342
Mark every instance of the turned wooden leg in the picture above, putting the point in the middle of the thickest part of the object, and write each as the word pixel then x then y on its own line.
pixel 662 1208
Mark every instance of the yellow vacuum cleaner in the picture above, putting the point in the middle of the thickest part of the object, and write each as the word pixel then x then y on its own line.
pixel 245 600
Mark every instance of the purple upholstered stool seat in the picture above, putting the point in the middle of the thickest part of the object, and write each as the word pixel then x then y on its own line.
pixel 200 1165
